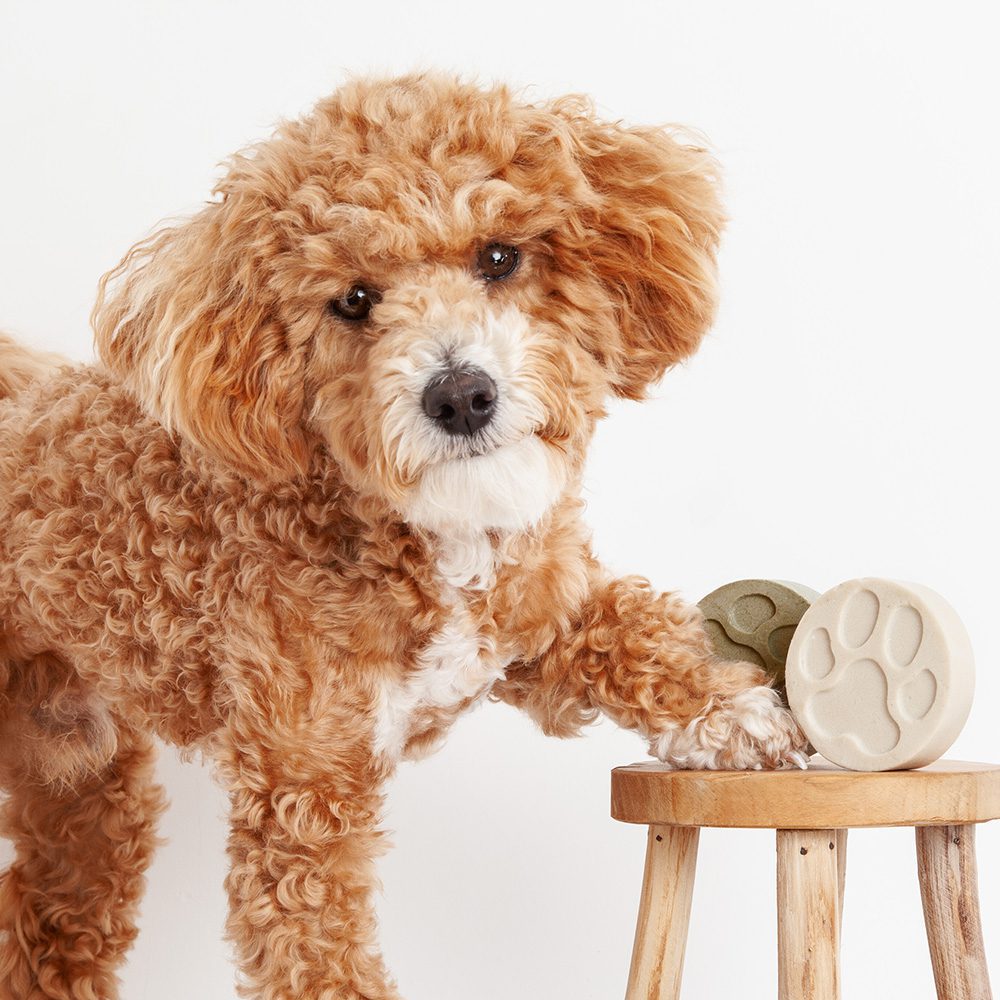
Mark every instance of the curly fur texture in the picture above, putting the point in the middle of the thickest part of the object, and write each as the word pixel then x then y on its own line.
pixel 240 532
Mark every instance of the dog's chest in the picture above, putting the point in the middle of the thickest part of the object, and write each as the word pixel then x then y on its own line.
pixel 452 673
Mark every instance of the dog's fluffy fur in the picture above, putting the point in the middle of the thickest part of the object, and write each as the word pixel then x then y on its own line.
pixel 241 533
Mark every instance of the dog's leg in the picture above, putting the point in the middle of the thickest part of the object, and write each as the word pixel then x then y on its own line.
pixel 645 661
pixel 302 847
pixel 69 900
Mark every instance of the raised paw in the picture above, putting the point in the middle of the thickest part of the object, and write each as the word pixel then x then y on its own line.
pixel 748 730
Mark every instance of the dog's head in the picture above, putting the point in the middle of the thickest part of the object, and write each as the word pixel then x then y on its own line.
pixel 432 285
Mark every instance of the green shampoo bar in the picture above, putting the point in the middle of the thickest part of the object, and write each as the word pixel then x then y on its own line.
pixel 754 620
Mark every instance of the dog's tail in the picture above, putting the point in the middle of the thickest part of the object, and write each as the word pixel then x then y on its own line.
pixel 20 366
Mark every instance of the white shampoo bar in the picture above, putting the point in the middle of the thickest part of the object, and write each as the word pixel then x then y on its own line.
pixel 880 675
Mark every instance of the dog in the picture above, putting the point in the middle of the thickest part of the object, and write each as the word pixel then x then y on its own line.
pixel 319 496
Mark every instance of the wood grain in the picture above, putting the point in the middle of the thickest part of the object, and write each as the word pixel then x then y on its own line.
pixel 808 915
pixel 820 798
pixel 664 913
pixel 946 865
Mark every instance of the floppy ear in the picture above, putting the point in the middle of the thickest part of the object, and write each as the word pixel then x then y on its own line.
pixel 650 232
pixel 188 322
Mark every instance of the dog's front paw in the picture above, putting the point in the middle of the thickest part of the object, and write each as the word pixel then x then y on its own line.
pixel 749 730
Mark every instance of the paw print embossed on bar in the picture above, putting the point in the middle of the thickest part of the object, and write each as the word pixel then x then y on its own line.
pixel 880 675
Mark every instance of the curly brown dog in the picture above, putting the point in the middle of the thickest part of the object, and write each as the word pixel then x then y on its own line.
pixel 320 496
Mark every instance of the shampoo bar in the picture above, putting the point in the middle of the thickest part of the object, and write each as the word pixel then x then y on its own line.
pixel 880 675
pixel 754 620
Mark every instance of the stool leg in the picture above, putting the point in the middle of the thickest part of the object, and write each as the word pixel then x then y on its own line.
pixel 949 888
pixel 841 843
pixel 808 915
pixel 664 912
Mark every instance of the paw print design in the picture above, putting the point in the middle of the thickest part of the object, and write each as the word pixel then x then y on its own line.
pixel 754 620
pixel 880 675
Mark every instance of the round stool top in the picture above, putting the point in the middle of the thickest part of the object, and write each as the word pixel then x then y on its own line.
pixel 824 797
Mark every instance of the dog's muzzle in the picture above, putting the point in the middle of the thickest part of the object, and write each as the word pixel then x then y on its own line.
pixel 461 401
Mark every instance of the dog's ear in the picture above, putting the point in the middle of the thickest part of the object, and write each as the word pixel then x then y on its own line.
pixel 190 324
pixel 651 223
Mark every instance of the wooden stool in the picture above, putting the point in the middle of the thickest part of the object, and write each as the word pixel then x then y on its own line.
pixel 811 812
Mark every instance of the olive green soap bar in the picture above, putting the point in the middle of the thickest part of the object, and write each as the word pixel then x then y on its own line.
pixel 754 620
pixel 880 675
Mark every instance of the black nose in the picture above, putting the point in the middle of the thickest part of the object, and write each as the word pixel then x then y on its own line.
pixel 462 401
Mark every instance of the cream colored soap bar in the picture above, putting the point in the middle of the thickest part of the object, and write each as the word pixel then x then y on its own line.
pixel 880 675
pixel 755 620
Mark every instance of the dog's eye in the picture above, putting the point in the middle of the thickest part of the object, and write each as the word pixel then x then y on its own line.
pixel 355 304
pixel 498 260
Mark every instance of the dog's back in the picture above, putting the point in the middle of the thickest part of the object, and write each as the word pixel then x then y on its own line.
pixel 20 366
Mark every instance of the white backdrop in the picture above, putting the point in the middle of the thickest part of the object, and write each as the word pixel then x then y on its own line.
pixel 841 420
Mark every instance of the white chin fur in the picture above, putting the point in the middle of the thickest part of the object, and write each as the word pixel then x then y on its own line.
pixel 507 490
